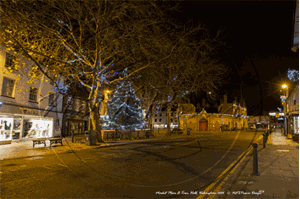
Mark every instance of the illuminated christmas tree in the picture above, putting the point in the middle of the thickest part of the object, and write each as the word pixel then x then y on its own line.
pixel 124 108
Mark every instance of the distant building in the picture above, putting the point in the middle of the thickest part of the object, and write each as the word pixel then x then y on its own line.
pixel 232 114
pixel 75 111
pixel 160 119
pixel 259 121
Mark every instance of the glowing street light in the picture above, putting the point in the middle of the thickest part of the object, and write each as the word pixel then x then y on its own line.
pixel 284 86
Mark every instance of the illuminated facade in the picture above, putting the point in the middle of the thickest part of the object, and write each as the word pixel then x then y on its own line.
pixel 232 114
pixel 27 110
pixel 160 119
pixel 292 113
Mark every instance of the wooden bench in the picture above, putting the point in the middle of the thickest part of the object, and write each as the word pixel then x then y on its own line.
pixel 55 141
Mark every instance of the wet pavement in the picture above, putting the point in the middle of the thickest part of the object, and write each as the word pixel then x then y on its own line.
pixel 278 172
pixel 176 166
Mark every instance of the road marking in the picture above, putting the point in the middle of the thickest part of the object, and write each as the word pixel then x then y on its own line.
pixel 283 150
pixel 167 185
pixel 224 172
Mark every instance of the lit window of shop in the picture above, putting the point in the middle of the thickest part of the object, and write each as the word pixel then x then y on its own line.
pixel 51 100
pixel 34 127
pixel 33 94
pixel 8 86
pixel 6 128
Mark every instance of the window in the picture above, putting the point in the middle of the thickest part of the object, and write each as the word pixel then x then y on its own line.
pixel 8 86
pixel 159 120
pixel 33 94
pixel 83 107
pixel 69 103
pixel 160 115
pixel 155 115
pixel 9 61
pixel 166 114
pixel 155 120
pixel 51 100
pixel 294 102
pixel 171 114
pixel 171 120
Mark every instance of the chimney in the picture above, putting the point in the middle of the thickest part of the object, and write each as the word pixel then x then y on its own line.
pixel 203 102
pixel 225 99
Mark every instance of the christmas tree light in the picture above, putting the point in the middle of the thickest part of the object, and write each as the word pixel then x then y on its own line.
pixel 124 108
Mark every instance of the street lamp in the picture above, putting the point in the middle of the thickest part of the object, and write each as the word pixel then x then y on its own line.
pixel 285 106
pixel 287 90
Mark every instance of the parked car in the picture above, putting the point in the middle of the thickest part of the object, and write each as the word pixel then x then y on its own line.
pixel 177 131
pixel 225 127
pixel 252 127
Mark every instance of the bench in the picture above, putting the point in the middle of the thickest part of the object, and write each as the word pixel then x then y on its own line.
pixel 43 141
pixel 39 141
pixel 55 141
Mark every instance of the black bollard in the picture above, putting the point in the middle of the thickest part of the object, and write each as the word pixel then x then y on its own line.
pixel 255 162
pixel 264 139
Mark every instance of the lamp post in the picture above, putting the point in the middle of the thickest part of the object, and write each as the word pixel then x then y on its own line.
pixel 285 107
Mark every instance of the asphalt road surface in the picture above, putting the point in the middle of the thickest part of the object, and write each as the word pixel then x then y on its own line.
pixel 163 168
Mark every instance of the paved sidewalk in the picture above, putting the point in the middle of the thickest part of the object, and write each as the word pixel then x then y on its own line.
pixel 278 168
pixel 21 149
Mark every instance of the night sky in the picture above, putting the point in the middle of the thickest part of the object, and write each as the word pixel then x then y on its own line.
pixel 258 39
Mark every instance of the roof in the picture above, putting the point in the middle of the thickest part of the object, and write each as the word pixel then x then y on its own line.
pixel 187 108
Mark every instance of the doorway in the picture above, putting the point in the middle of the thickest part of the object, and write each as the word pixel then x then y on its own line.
pixel 203 124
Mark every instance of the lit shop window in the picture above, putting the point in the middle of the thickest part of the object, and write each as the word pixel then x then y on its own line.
pixel 6 128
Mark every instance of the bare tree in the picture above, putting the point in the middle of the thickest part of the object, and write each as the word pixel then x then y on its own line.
pixel 85 41
pixel 192 67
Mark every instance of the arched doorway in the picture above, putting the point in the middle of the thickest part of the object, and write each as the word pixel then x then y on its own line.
pixel 203 124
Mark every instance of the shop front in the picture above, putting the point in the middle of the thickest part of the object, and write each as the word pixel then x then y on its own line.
pixel 293 126
pixel 15 126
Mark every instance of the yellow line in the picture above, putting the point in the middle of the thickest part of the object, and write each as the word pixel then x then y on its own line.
pixel 231 172
pixel 224 172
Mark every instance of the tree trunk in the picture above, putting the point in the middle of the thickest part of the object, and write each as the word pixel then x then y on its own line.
pixel 95 120
pixel 150 121
pixel 178 121
pixel 168 121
